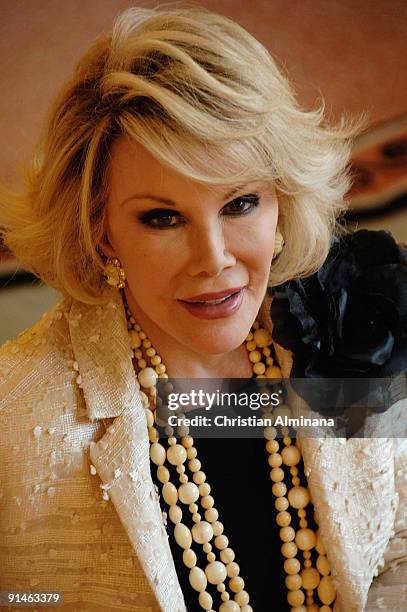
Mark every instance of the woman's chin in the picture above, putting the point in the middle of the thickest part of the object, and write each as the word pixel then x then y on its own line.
pixel 222 341
pixel 219 335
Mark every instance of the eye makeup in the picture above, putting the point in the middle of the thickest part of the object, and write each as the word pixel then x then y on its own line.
pixel 161 218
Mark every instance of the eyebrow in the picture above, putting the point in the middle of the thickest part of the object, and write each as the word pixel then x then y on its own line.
pixel 168 201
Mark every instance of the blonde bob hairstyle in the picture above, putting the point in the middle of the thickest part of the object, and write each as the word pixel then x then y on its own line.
pixel 207 99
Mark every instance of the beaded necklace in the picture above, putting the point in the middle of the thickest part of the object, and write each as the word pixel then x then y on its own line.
pixel 208 532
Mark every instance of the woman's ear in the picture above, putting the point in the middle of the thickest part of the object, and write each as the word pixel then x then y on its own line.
pixel 105 245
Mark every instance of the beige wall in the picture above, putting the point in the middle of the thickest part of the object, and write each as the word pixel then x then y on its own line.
pixel 350 51
pixel 353 51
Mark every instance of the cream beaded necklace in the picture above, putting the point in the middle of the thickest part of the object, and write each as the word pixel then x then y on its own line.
pixel 208 532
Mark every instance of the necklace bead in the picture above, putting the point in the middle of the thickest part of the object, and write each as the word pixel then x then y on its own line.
pixel 202 532
pixel 281 504
pixel 189 558
pixel 188 493
pixel 289 550
pixel 157 453
pixel 292 566
pixel 290 455
pixel 182 535
pixel 175 514
pixel 198 579
pixel 176 454
pixel 215 572
pixel 163 474
pixel 230 606
pixel 205 600
pixel 310 578
pixel 305 539
pixel 298 497
pixel 170 493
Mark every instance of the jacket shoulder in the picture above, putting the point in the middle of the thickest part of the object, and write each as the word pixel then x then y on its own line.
pixel 37 354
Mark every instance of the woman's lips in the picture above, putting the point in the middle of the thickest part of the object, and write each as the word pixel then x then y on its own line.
pixel 212 295
pixel 226 308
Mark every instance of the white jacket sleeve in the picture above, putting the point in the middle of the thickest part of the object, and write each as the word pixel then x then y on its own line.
pixel 388 591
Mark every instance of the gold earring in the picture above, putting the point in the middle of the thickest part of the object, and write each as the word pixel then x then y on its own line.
pixel 114 273
pixel 278 244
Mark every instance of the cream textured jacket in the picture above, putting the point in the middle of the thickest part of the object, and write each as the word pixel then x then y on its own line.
pixel 71 374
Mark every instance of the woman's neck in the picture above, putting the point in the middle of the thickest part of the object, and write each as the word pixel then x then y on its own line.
pixel 234 364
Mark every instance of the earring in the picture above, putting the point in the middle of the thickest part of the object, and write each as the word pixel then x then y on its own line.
pixel 114 273
pixel 278 244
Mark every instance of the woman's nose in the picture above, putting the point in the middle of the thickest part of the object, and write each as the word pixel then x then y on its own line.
pixel 209 251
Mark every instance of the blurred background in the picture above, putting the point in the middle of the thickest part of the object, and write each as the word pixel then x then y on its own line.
pixel 350 52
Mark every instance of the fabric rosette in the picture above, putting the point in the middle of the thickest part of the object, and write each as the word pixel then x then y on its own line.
pixel 348 321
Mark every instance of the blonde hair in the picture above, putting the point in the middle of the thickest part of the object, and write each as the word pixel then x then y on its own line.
pixel 207 99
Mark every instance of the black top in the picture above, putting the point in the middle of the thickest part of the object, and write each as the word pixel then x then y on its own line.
pixel 238 473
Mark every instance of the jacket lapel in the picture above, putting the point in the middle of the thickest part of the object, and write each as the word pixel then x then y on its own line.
pixel 121 457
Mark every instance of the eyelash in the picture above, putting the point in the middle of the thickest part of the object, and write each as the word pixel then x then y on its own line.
pixel 162 213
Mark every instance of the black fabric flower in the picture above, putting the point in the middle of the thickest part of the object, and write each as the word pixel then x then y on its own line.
pixel 349 319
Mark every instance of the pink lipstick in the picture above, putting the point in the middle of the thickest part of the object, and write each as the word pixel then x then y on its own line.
pixel 215 305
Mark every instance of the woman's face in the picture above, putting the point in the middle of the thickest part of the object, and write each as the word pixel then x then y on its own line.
pixel 178 239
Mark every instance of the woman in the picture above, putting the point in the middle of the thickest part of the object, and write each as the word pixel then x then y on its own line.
pixel 177 166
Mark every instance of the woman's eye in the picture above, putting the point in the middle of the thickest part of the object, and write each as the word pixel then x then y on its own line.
pixel 242 205
pixel 160 219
